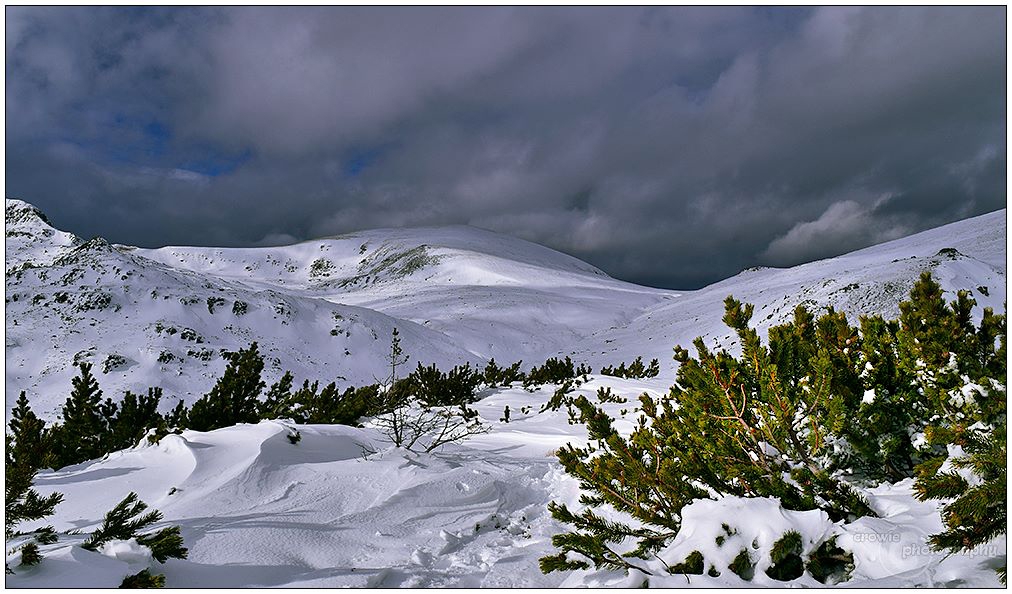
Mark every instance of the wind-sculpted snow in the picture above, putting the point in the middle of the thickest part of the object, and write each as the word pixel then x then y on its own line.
pixel 337 509
pixel 343 508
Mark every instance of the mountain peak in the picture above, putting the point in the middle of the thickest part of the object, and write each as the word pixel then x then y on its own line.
pixel 30 238
pixel 19 212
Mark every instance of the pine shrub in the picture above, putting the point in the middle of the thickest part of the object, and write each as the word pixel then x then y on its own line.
pixel 277 403
pixel 143 579
pixel 84 428
pixel 30 555
pixel 561 397
pixel 821 405
pixel 127 421
pixel 829 564
pixel 635 370
pixel 236 397
pixel 164 544
pixel 127 519
pixel 743 566
pixel 974 514
pixel 786 557
pixel 433 387
pixel 554 371
pixel 693 565
pixel 122 522
pixel 28 449
pixel 309 404
pixel 495 376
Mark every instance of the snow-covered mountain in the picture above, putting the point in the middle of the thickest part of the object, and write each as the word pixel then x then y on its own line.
pixel 145 323
pixel 343 508
pixel 325 309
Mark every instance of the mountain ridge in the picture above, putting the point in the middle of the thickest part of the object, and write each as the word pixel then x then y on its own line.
pixel 325 308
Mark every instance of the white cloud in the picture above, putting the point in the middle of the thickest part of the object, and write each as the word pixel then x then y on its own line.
pixel 845 226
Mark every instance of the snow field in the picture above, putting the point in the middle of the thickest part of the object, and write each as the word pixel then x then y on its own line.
pixel 343 508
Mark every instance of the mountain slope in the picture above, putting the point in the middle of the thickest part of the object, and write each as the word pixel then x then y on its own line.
pixel 495 296
pixel 324 309
pixel 968 254
pixel 342 507
pixel 143 323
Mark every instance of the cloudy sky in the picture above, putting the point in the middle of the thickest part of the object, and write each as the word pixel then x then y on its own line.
pixel 668 146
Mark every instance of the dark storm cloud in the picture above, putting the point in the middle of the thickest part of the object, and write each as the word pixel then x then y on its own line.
pixel 670 146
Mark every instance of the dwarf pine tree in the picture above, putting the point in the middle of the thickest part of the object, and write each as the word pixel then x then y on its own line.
pixel 931 367
pixel 820 403
pixel 959 368
pixel 128 420
pixel 277 403
pixel 325 404
pixel 961 372
pixel 80 436
pixel 974 513
pixel 30 443
pixel 554 371
pixel 455 387
pixel 495 376
pixel 127 519
pixel 345 408
pixel 178 418
pixel 143 579
pixel 754 426
pixel 236 397
pixel 28 449
pixel 879 447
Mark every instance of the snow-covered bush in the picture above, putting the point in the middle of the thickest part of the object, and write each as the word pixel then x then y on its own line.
pixel 554 371
pixel 931 367
pixel 495 376
pixel 113 362
pixel 973 480
pixel 802 419
pixel 127 421
pixel 124 522
pixel 321 267
pixel 143 579
pixel 213 302
pixel 310 404
pixel 434 387
pixel 239 308
pixel 636 369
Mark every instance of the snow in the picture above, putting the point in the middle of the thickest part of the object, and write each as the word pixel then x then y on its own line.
pixel 753 522
pixel 455 294
pixel 339 508
pixel 344 508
